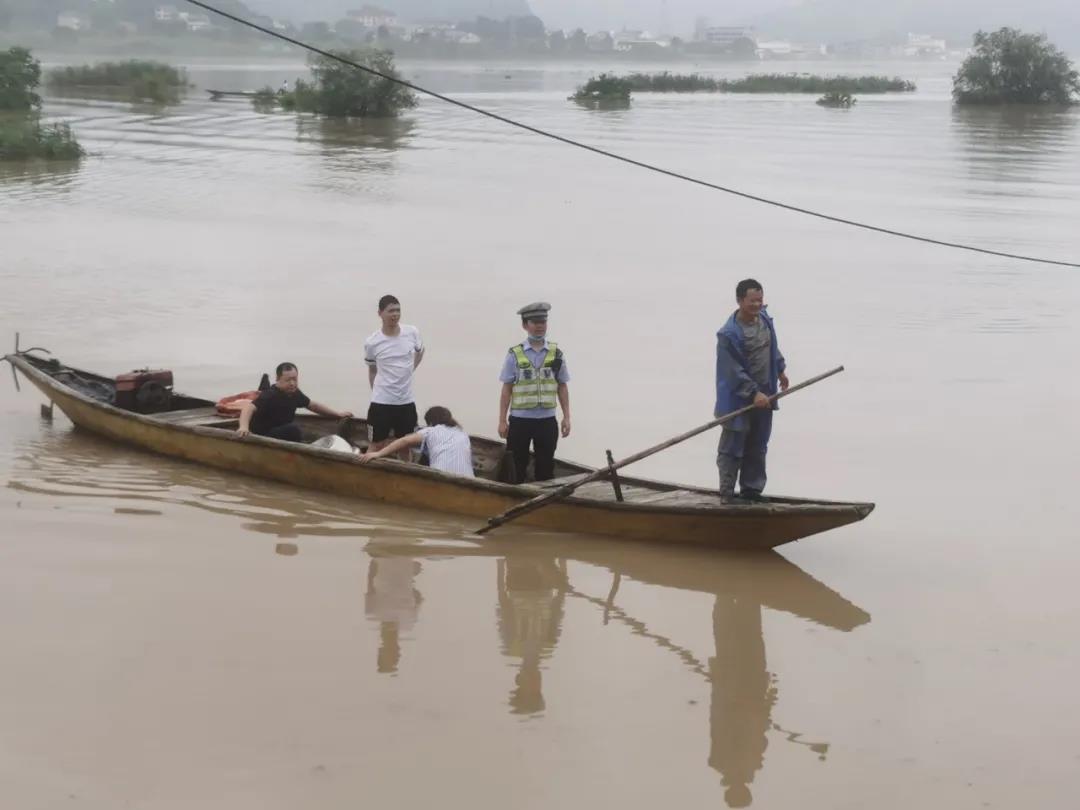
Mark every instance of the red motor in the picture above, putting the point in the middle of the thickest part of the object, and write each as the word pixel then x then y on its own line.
pixel 144 391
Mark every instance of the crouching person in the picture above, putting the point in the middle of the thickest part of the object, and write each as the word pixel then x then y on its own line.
pixel 447 446
pixel 273 412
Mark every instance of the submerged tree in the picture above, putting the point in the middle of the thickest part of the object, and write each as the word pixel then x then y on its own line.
pixel 837 99
pixel 341 91
pixel 1010 67
pixel 142 80
pixel 20 74
pixel 607 88
pixel 22 134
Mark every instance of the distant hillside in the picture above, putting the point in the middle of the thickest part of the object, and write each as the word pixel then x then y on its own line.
pixel 410 10
pixel 42 13
pixel 956 20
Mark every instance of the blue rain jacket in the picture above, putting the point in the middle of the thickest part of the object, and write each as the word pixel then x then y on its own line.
pixel 734 387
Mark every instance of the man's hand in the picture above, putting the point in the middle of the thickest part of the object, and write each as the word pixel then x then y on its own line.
pixel 504 428
pixel 565 426
pixel 761 401
pixel 346 415
pixel 785 383
pixel 366 457
pixel 242 432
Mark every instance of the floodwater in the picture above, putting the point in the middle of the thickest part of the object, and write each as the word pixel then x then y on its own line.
pixel 175 637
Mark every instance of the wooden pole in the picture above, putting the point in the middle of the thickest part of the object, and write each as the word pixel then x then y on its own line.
pixel 614 477
pixel 543 500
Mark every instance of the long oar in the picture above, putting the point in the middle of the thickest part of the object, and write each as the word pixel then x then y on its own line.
pixel 542 500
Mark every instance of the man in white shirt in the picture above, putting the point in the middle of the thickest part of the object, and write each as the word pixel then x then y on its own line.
pixel 392 355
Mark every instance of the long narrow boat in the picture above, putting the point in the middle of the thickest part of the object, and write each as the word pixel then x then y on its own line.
pixel 217 95
pixel 191 429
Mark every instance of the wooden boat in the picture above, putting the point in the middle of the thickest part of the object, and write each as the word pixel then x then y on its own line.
pixel 217 95
pixel 652 511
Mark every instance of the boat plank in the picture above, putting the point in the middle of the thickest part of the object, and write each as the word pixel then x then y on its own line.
pixel 201 417
pixel 676 497
pixel 603 491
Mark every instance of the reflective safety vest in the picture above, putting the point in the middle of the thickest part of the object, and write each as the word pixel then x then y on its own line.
pixel 535 387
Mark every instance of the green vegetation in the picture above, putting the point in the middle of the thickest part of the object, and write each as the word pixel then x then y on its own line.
pixel 837 99
pixel 25 137
pixel 265 99
pixel 141 80
pixel 22 133
pixel 765 83
pixel 341 91
pixel 20 75
pixel 1009 67
pixel 604 89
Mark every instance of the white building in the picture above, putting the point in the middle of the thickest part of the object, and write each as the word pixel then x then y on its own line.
pixel 166 14
pixel 924 45
pixel 197 22
pixel 727 34
pixel 773 48
pixel 461 37
pixel 627 41
pixel 373 17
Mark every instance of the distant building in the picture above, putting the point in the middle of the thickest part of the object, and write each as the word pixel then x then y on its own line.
pixel 461 37
pixel 859 49
pixel 639 42
pixel 197 22
pixel 373 17
pixel 72 21
pixel 775 48
pixel 727 34
pixel 166 14
pixel 924 45
pixel 600 42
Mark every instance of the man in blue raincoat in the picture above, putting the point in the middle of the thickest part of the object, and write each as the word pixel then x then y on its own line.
pixel 749 367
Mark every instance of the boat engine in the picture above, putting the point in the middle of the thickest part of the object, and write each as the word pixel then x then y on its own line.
pixel 144 391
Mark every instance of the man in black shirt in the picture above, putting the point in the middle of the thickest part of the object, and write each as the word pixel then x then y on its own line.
pixel 273 411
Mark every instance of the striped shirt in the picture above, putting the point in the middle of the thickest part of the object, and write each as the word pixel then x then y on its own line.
pixel 448 449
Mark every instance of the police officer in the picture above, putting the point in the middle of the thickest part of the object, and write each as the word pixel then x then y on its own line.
pixel 534 378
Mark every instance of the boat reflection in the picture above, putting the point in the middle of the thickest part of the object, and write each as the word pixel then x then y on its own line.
pixel 532 595
pixel 64 463
pixel 533 585
pixel 532 578
pixel 392 600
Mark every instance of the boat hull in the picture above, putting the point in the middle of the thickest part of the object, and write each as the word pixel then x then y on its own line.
pixel 737 527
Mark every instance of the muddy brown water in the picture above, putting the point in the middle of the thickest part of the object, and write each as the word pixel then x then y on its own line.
pixel 177 637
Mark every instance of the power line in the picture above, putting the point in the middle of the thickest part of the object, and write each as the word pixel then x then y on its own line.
pixel 628 160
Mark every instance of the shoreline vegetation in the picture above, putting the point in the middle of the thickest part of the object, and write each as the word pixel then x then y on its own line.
pixel 23 135
pixel 337 90
pixel 667 82
pixel 140 80
pixel 608 89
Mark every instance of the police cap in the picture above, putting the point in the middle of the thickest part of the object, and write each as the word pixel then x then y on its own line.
pixel 535 312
